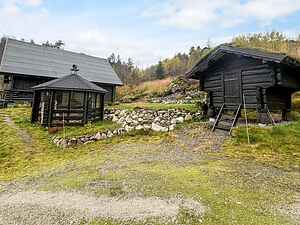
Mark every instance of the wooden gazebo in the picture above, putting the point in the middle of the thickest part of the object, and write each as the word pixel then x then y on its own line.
pixel 70 100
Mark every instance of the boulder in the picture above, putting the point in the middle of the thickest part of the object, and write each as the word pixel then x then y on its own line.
pixel 179 119
pixel 139 127
pixel 128 128
pixel 188 117
pixel 147 126
pixel 98 136
pixel 128 119
pixel 110 134
pixel 172 127
pixel 115 119
pixel 158 128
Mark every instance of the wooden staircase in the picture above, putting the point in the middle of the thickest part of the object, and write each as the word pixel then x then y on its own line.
pixel 227 122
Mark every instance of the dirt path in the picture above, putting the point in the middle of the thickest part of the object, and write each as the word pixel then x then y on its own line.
pixel 70 208
pixel 25 137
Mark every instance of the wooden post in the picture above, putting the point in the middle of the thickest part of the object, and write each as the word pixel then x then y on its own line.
pixel 69 107
pixel 50 107
pixel 113 94
pixel 102 106
pixel 84 107
pixel 33 113
pixel 248 137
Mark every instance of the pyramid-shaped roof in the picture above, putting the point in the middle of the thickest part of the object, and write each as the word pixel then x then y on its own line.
pixel 72 82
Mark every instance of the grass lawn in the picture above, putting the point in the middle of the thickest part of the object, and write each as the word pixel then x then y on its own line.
pixel 156 106
pixel 239 185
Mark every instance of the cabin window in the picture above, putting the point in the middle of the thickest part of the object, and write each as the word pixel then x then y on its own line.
pixel 61 100
pixel 77 100
pixel 6 79
pixel 98 102
pixel 92 100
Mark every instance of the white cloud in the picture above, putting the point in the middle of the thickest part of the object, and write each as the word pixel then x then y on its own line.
pixel 33 2
pixel 80 34
pixel 196 14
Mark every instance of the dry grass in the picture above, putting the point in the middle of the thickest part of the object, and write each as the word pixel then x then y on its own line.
pixel 149 88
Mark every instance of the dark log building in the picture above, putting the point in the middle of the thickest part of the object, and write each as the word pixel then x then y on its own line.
pixel 265 80
pixel 70 100
pixel 24 65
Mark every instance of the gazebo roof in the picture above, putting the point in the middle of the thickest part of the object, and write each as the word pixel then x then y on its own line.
pixel 72 82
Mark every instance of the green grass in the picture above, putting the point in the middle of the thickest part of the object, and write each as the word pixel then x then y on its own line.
pixel 90 128
pixel 241 185
pixel 19 160
pixel 277 146
pixel 156 106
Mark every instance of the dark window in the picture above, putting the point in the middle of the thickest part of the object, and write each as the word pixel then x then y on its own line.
pixel 6 79
pixel 77 100
pixel 61 100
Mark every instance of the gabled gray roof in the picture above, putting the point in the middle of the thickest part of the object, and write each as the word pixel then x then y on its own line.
pixel 70 82
pixel 219 51
pixel 35 60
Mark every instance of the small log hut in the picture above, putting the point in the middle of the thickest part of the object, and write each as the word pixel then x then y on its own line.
pixel 70 100
pixel 230 75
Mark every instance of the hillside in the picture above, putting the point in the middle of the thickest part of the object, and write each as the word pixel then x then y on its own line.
pixel 168 90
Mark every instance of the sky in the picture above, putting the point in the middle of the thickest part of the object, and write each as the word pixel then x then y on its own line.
pixel 145 30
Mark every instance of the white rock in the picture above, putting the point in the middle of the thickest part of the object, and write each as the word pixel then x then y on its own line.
pixel 109 134
pixel 212 120
pixel 128 119
pixel 179 120
pixel 188 117
pixel 172 127
pixel 139 127
pixel 135 123
pixel 173 121
pixel 98 136
pixel 128 128
pixel 121 120
pixel 147 127
pixel 158 128
pixel 157 119
pixel 115 119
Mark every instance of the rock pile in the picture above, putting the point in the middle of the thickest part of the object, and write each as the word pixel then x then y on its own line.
pixel 143 119
pixel 189 97
pixel 137 120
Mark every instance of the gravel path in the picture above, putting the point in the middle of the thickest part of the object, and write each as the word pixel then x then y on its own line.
pixel 26 208
pixel 294 209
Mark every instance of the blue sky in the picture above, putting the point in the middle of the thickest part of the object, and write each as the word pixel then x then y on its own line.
pixel 146 30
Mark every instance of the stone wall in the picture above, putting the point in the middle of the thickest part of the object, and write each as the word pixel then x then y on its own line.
pixel 136 120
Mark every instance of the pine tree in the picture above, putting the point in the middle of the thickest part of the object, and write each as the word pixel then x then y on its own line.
pixel 160 72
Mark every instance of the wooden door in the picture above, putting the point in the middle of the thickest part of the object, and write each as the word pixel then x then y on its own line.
pixel 232 87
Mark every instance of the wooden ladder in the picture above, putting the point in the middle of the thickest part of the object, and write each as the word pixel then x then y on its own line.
pixel 228 123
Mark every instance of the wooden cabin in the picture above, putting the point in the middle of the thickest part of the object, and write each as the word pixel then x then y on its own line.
pixel 24 65
pixel 266 81
pixel 70 100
